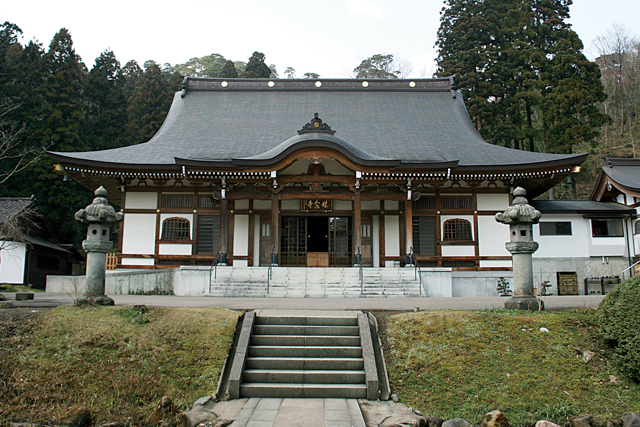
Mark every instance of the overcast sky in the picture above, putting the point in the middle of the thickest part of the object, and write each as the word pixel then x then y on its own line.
pixel 328 37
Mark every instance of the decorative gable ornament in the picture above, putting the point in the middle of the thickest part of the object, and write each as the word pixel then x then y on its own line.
pixel 316 125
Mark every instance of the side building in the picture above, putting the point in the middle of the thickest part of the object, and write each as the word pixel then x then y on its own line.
pixel 326 173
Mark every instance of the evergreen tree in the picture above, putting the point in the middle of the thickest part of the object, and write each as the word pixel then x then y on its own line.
pixel 377 67
pixel 228 71
pixel 128 77
pixel 206 66
pixel 63 102
pixel 521 71
pixel 256 68
pixel 149 104
pixel 105 115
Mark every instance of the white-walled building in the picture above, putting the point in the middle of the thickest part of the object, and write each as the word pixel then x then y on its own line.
pixel 388 172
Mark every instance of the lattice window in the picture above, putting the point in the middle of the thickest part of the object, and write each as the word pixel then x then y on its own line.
pixel 176 229
pixel 457 230
pixel 208 202
pixel 454 203
pixel 425 202
pixel 636 228
pixel 177 201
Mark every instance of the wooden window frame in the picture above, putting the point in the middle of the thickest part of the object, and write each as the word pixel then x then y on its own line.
pixel 457 230
pixel 176 229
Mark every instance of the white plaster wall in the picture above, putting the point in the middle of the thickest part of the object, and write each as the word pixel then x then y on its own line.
pixel 188 217
pixel 174 249
pixel 342 205
pixel 458 250
pixel 137 261
pixel 139 236
pixel 240 236
pixel 146 200
pixel 375 237
pixel 260 205
pixel 496 264
pixel 492 236
pixel 608 246
pixel 290 205
pixel 492 202
pixel 636 244
pixel 576 245
pixel 370 205
pixel 12 262
pixel 391 205
pixel 242 205
pixel 392 235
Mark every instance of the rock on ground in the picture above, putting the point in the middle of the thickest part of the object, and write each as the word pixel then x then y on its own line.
pixel 545 423
pixel 209 413
pixel 389 414
pixel 434 422
pixel 494 419
pixel 630 419
pixel 581 422
pixel 456 422
pixel 78 416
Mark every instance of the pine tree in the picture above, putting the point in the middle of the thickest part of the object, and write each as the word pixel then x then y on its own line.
pixel 148 105
pixel 229 71
pixel 256 67
pixel 521 71
pixel 105 115
pixel 63 102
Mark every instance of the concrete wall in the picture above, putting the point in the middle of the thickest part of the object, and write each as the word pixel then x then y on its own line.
pixel 12 262
pixel 135 282
pixel 547 269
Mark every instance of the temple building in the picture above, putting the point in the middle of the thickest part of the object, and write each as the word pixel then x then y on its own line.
pixel 324 173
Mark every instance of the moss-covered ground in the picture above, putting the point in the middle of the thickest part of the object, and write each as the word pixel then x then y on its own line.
pixel 118 361
pixel 464 364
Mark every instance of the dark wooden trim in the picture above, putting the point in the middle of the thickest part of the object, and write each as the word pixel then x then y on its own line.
pixel 176 242
pixel 458 243
pixel 382 240
pixel 230 237
pixel 252 222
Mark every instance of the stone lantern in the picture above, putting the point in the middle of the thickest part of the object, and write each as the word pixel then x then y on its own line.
pixel 520 217
pixel 99 217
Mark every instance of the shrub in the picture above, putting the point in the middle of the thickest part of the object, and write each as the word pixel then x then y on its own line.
pixel 618 320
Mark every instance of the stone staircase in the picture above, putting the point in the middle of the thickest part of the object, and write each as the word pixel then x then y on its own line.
pixel 319 355
pixel 301 282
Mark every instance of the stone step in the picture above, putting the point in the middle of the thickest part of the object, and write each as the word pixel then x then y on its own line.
pixel 307 320
pixel 300 390
pixel 305 340
pixel 321 363
pixel 304 351
pixel 321 330
pixel 305 376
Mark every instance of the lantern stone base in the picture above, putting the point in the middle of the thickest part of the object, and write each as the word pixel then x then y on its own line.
pixel 95 300
pixel 524 303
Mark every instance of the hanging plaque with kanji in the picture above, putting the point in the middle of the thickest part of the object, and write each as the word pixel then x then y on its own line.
pixel 316 205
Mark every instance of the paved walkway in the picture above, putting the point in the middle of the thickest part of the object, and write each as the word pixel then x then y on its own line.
pixel 399 304
pixel 276 412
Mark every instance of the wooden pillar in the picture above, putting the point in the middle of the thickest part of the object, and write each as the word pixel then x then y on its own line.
pixel 357 221
pixel 224 230
pixel 408 230
pixel 275 226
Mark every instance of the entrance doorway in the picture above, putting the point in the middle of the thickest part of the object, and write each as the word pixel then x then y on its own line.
pixel 316 241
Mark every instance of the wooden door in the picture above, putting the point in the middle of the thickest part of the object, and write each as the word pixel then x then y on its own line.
pixel 293 241
pixel 340 242
pixel 366 240
pixel 266 239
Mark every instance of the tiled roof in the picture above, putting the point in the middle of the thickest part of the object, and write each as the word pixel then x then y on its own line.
pixel 387 120
pixel 11 206
pixel 581 206
pixel 625 172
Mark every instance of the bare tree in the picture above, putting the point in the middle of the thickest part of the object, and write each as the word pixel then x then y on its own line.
pixel 16 152
pixel 17 225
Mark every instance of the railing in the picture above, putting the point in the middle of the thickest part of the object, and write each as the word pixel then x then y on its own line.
pixel 270 270
pixel 630 269
pixel 360 271
pixel 416 267
pixel 214 267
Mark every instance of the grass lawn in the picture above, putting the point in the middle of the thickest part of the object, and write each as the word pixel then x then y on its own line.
pixel 116 360
pixel 464 364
